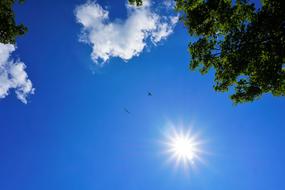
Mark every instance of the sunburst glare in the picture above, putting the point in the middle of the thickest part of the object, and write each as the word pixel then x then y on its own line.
pixel 183 147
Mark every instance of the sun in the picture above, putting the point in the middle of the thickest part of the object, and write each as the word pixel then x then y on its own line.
pixel 183 147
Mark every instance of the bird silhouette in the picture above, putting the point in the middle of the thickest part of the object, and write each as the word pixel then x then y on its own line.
pixel 127 111
pixel 149 94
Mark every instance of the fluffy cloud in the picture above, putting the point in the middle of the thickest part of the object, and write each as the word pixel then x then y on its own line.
pixel 13 75
pixel 121 38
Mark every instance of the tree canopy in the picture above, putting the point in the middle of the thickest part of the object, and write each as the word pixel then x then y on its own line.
pixel 9 30
pixel 245 46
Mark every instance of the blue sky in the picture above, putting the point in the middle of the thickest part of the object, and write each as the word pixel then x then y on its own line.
pixel 74 134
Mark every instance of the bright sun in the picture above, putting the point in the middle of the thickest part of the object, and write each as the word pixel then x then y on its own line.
pixel 183 147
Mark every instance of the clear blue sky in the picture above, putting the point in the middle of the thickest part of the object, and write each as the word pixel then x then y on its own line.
pixel 74 134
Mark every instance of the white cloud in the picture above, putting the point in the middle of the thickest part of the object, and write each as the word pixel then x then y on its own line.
pixel 13 75
pixel 121 38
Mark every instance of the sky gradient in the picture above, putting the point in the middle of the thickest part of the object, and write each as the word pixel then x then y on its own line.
pixel 74 133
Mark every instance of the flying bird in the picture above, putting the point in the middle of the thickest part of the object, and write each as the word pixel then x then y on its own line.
pixel 127 111
pixel 149 94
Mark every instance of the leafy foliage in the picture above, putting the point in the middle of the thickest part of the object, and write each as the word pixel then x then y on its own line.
pixel 246 47
pixel 136 2
pixel 9 30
